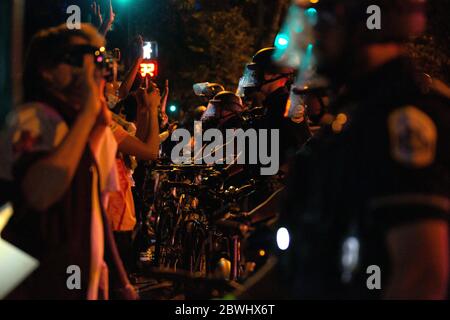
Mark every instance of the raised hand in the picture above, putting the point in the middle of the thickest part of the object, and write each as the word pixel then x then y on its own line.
pixel 165 96
pixel 139 46
pixel 172 127
pixel 106 25
pixel 298 115
pixel 153 97
pixel 111 14
pixel 97 19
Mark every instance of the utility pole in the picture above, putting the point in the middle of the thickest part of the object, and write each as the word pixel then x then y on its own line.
pixel 11 54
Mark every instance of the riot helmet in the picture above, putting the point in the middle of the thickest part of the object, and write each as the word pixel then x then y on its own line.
pixel 207 89
pixel 262 63
pixel 224 104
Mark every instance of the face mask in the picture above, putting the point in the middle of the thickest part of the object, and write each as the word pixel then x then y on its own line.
pixel 281 76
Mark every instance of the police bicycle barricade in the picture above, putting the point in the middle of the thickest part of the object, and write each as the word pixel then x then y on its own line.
pixel 200 226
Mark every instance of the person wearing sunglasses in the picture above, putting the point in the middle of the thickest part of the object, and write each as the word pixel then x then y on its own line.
pixel 60 154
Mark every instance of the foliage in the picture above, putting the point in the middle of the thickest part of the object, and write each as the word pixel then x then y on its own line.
pixel 211 40
pixel 199 41
pixel 432 50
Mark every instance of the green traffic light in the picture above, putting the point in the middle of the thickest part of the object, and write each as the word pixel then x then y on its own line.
pixel 281 41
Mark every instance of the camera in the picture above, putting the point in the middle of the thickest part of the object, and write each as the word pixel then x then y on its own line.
pixel 108 62
pixel 104 60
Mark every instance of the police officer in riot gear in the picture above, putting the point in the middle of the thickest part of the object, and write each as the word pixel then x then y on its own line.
pixel 270 83
pixel 368 207
pixel 223 111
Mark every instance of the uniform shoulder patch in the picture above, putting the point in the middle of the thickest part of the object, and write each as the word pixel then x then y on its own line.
pixel 413 137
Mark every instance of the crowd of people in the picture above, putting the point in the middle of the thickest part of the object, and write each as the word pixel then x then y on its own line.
pixel 364 159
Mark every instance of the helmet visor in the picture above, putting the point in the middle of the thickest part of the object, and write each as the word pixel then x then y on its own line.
pixel 250 79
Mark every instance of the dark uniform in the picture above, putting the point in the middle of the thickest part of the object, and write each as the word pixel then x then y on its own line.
pixel 382 163
pixel 292 135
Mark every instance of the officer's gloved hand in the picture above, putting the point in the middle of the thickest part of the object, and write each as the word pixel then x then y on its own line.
pixel 298 114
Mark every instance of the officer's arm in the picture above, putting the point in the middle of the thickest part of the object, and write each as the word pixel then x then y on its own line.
pixel 419 255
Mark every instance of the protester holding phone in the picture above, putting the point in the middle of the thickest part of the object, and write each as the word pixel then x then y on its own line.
pixel 130 77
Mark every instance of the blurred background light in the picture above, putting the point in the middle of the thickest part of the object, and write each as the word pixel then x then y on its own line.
pixel 283 238
pixel 281 41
